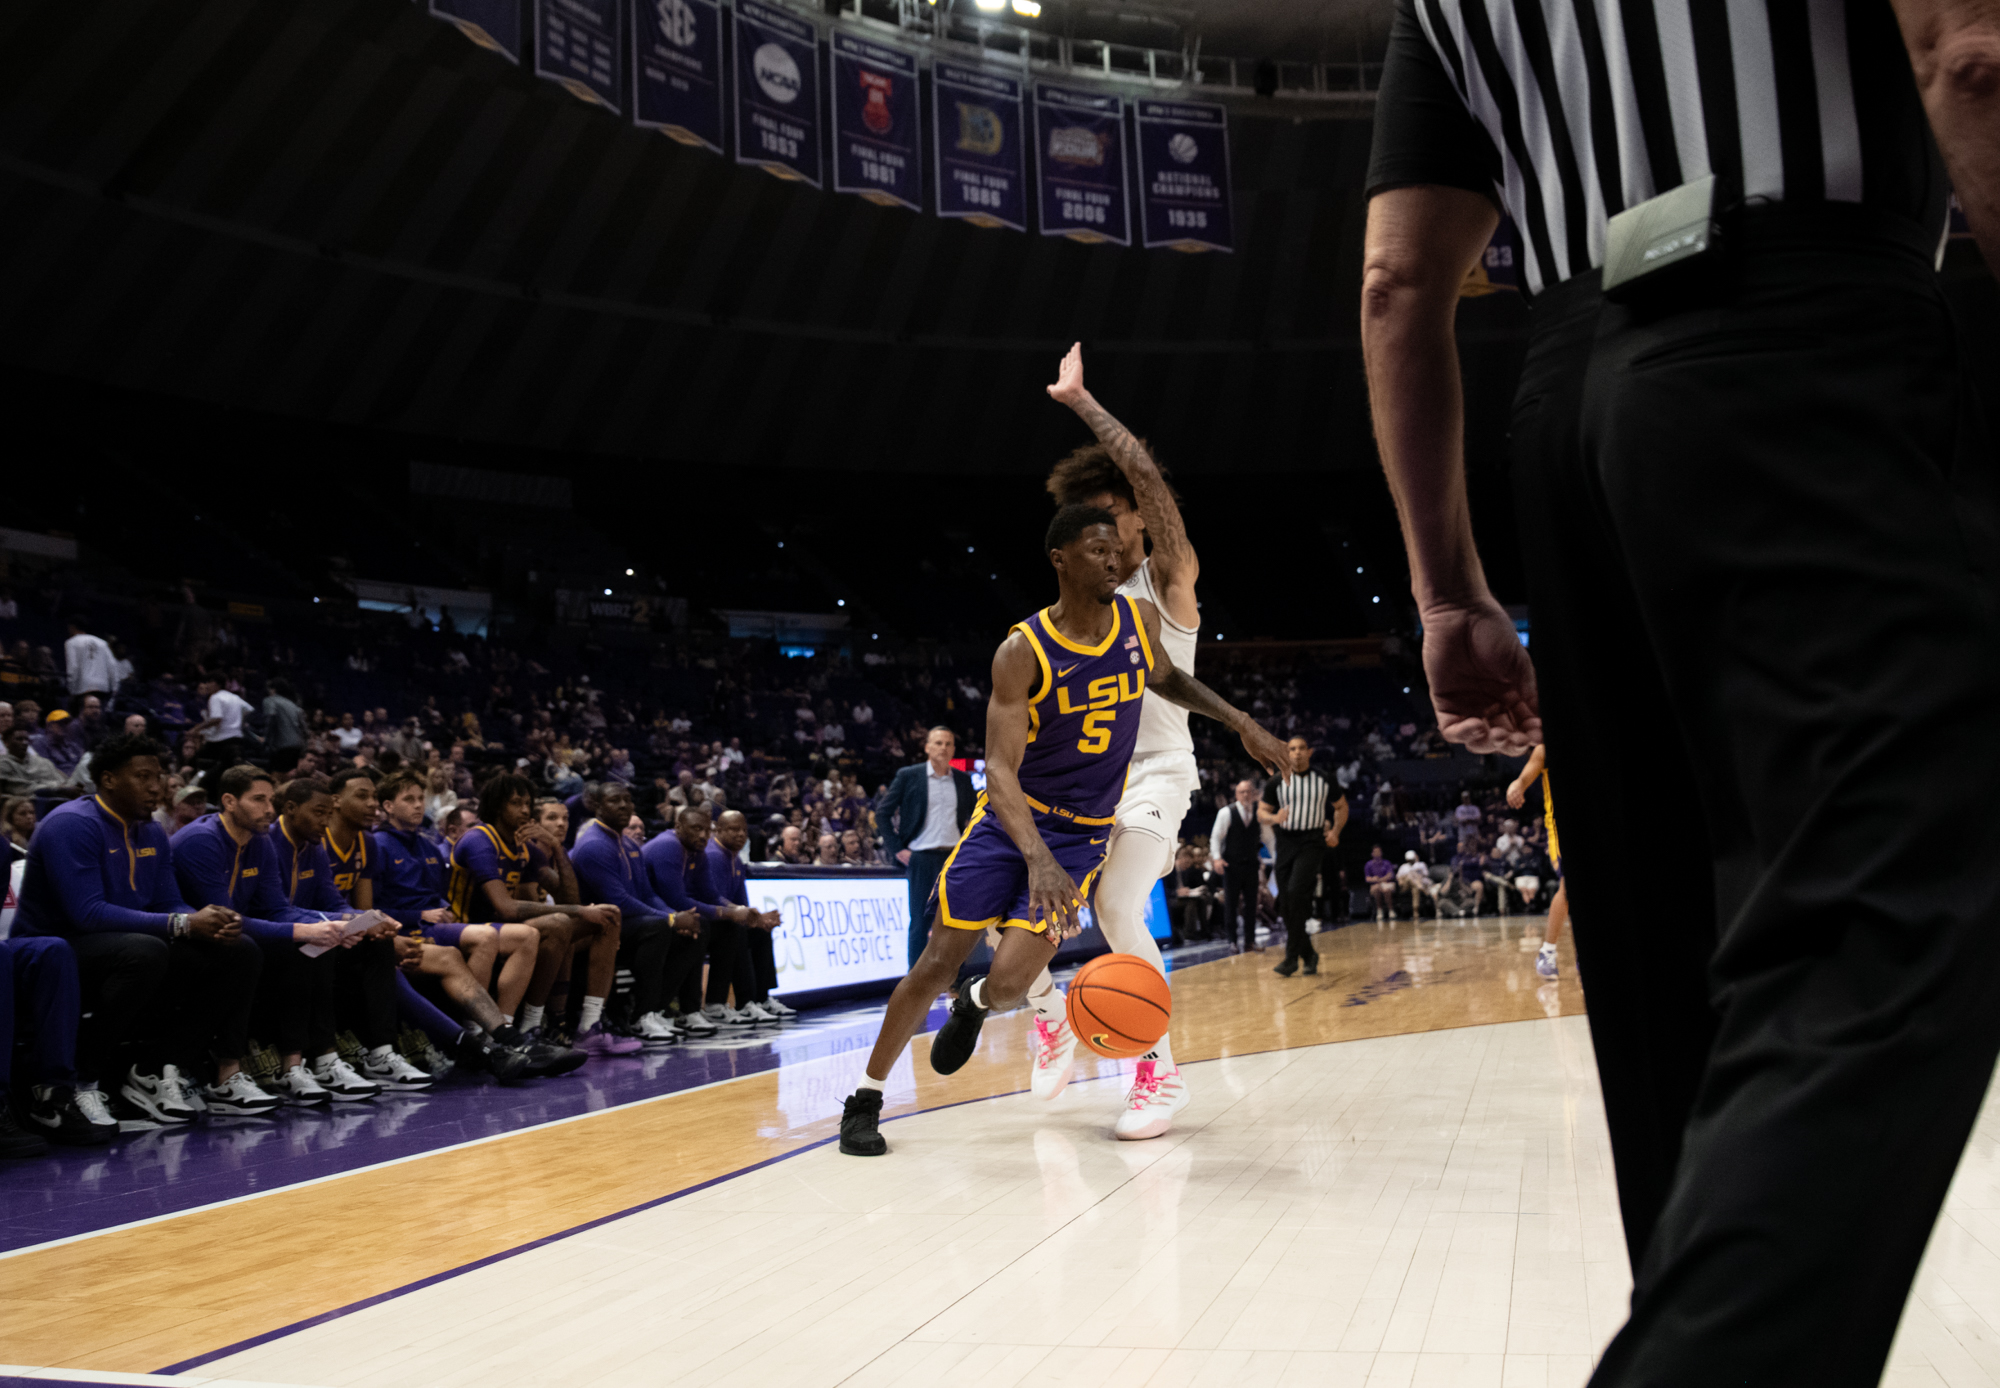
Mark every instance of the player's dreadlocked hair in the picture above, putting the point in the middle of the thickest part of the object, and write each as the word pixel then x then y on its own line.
pixel 1089 473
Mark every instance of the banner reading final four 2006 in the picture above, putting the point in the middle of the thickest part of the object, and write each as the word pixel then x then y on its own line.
pixel 1184 176
pixel 677 69
pixel 494 24
pixel 577 45
pixel 976 131
pixel 1080 151
pixel 875 137
pixel 777 92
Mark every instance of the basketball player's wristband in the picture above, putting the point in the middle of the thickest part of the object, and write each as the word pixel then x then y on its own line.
pixel 179 923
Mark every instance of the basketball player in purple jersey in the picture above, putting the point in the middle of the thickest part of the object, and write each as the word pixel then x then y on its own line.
pixel 1060 730
pixel 1156 563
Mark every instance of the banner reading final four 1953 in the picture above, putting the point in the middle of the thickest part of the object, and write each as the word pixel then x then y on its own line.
pixel 1184 176
pixel 777 92
pixel 976 130
pixel 494 24
pixel 876 150
pixel 577 44
pixel 677 69
pixel 1080 153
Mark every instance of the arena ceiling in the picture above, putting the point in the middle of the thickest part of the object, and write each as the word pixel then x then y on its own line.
pixel 1288 30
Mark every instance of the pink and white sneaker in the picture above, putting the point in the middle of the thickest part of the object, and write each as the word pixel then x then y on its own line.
pixel 1055 1058
pixel 1155 1097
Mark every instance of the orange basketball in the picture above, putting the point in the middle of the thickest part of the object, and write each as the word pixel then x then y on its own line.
pixel 1119 1005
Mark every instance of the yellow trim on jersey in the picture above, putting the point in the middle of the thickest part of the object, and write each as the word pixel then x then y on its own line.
pixel 1099 649
pixel 1549 818
pixel 1065 814
pixel 1145 641
pixel 945 916
pixel 1048 679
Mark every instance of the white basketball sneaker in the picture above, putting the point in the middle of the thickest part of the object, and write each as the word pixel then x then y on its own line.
pixel 1155 1097
pixel 1055 1058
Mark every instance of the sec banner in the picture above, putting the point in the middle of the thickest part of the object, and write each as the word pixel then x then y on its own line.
pixel 494 24
pixel 976 132
pixel 777 94
pixel 1080 149
pixel 577 45
pixel 875 139
pixel 1184 176
pixel 677 69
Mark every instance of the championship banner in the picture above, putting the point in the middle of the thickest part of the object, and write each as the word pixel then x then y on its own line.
pixel 677 69
pixel 777 96
pixel 976 133
pixel 1184 176
pixel 1499 264
pixel 577 46
pixel 1080 144
pixel 494 24
pixel 875 137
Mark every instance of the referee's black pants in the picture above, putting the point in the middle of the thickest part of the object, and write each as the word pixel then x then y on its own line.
pixel 1760 560
pixel 1297 873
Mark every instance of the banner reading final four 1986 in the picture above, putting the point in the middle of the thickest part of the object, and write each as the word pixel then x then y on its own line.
pixel 577 44
pixel 1184 176
pixel 875 122
pixel 777 92
pixel 494 24
pixel 976 130
pixel 677 69
pixel 1080 153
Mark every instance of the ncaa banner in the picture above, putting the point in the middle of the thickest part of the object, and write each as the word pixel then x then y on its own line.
pixel 494 24
pixel 1184 176
pixel 677 69
pixel 777 98
pixel 577 46
pixel 875 137
pixel 1080 153
pixel 976 133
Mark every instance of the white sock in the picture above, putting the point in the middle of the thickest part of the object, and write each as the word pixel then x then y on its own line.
pixel 867 1083
pixel 1161 1055
pixel 531 1017
pixel 1047 999
pixel 506 1019
pixel 327 1059
pixel 593 1008
pixel 977 990
pixel 380 1055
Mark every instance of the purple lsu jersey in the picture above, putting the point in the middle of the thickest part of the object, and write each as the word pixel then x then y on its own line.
pixel 1083 721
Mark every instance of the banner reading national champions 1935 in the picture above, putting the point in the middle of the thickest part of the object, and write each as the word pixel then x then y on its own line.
pixel 1080 156
pixel 777 92
pixel 976 130
pixel 577 44
pixel 876 136
pixel 494 24
pixel 1184 176
pixel 677 69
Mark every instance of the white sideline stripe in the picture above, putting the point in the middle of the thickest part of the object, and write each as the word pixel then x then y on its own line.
pixel 343 1175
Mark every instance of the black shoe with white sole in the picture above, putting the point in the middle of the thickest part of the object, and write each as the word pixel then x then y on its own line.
pixel 860 1124
pixel 73 1117
pixel 959 1036
pixel 17 1141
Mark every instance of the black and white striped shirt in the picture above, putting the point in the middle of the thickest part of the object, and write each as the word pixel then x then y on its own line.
pixel 1307 798
pixel 1569 111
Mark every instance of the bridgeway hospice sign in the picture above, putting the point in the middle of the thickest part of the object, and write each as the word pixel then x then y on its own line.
pixel 1184 176
pixel 677 69
pixel 834 932
pixel 777 92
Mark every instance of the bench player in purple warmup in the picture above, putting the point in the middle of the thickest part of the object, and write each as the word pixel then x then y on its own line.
pixel 1060 729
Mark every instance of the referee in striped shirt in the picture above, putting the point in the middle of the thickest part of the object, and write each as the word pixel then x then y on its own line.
pixel 1306 812
pixel 1753 493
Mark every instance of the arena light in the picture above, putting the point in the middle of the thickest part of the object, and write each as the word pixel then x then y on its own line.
pixel 840 602
pixel 1357 568
pixel 1378 599
pixel 607 592
pixel 989 6
pixel 628 573
pixel 968 549
pixel 1027 9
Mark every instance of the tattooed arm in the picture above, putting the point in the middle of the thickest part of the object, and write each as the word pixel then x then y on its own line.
pixel 1175 567
pixel 1179 687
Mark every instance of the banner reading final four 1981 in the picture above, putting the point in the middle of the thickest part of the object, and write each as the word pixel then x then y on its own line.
pixel 577 44
pixel 677 69
pixel 976 130
pixel 1184 176
pixel 876 149
pixel 777 92
pixel 494 24
pixel 1080 154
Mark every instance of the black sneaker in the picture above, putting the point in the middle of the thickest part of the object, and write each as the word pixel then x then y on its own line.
pixel 477 1051
pixel 860 1124
pixel 17 1141
pixel 1312 969
pixel 543 1058
pixel 959 1036
pixel 1285 970
pixel 74 1117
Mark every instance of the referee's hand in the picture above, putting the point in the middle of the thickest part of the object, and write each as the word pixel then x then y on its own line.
pixel 1482 682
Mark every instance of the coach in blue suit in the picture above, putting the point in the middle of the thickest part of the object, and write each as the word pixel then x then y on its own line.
pixel 921 815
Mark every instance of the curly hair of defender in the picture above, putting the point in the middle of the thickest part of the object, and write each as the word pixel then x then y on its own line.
pixel 1089 472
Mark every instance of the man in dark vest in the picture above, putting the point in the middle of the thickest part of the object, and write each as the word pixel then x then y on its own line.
pixel 921 815
pixel 1232 847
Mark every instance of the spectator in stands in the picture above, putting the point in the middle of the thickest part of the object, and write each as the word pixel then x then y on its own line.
pixel 178 981
pixel 619 767
pixel 727 877
pixel 190 804
pixel 854 852
pixel 28 714
pixel 17 821
pixel 829 851
pixel 1467 816
pixel 284 726
pixel 1415 878
pixel 657 943
pixel 456 821
pixel 91 727
pixel 347 737
pixel 89 666
pixel 439 798
pixel 6 718
pixel 59 742
pixel 488 866
pixel 1193 889
pixel 1380 875
pixel 227 859
pixel 26 772
pixel 791 845
pixel 1467 883
pixel 221 728
pixel 921 814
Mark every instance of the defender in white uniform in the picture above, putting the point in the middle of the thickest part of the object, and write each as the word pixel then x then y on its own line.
pixel 1118 474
